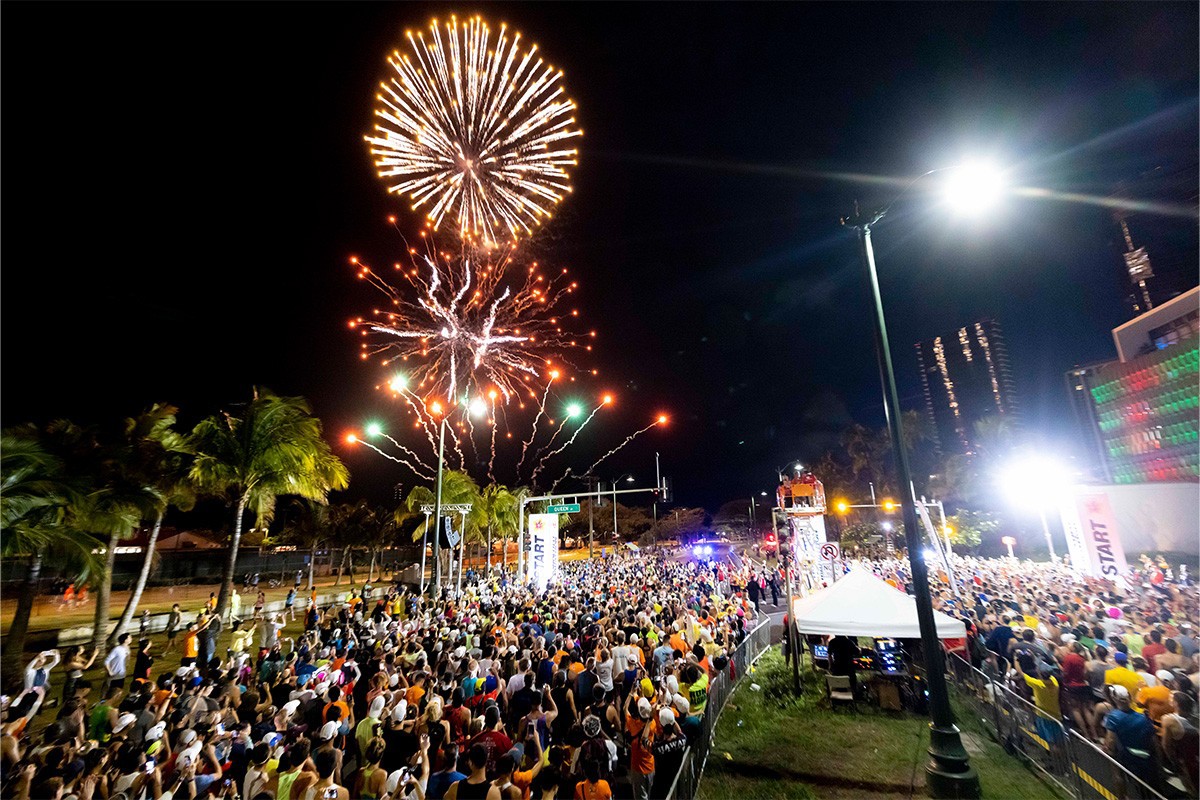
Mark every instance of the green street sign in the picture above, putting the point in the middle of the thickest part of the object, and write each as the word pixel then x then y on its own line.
pixel 565 508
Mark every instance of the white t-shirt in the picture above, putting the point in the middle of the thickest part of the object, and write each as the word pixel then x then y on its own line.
pixel 620 658
pixel 604 675
pixel 116 661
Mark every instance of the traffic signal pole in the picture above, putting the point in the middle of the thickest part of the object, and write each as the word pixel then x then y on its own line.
pixel 787 580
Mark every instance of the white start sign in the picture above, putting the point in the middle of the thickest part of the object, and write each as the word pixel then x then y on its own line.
pixel 543 547
pixel 1092 537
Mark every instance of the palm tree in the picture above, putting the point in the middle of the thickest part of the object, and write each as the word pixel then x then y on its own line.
pixel 353 524
pixel 110 502
pixel 274 447
pixel 160 458
pixel 492 497
pixel 308 530
pixel 36 499
pixel 507 518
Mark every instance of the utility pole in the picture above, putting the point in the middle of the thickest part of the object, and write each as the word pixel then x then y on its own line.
pixel 614 488
pixel 657 489
pixel 591 517
pixel 785 554
pixel 437 512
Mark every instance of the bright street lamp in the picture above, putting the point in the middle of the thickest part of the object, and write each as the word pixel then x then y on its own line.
pixel 949 772
pixel 1036 480
pixel 972 189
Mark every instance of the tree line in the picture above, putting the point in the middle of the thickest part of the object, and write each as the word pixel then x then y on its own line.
pixel 70 493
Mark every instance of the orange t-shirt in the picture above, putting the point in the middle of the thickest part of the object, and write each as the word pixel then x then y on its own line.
pixel 190 647
pixel 641 759
pixel 593 791
pixel 414 695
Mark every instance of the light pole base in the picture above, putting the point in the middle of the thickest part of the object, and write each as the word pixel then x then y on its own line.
pixel 948 773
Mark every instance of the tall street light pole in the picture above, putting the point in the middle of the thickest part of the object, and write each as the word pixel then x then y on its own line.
pixel 949 772
pixel 437 511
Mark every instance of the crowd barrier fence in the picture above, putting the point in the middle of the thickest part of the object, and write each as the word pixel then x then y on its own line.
pixel 1080 768
pixel 695 758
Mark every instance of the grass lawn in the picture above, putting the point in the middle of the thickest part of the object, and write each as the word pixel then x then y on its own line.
pixel 770 744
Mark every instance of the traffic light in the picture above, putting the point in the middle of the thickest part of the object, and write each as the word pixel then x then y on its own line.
pixel 841 506
pixel 668 496
pixel 889 506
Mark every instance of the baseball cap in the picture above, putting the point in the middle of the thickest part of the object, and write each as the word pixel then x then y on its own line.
pixel 291 706
pixel 156 731
pixel 647 687
pixel 187 737
pixel 1121 658
pixel 644 709
pixel 329 730
pixel 1164 675
pixel 376 707
pixel 681 702
pixel 399 712
pixel 393 781
pixel 123 722
pixel 1120 692
pixel 665 717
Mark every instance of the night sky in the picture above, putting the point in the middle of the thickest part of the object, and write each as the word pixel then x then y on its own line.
pixel 183 185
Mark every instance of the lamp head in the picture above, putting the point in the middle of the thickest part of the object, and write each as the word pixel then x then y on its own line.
pixel 973 189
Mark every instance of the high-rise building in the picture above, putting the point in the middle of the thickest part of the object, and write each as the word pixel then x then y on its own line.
pixel 966 377
pixel 1139 413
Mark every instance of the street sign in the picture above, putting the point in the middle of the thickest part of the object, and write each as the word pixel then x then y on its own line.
pixel 830 551
pixel 564 508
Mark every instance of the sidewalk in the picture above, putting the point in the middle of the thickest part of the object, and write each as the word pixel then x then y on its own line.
pixel 48 613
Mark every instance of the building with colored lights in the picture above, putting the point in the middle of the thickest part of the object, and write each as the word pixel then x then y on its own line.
pixel 966 377
pixel 1140 413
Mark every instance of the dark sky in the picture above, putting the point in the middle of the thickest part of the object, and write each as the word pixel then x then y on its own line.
pixel 183 184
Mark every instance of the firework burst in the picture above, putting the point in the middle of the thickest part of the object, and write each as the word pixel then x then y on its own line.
pixel 471 323
pixel 477 128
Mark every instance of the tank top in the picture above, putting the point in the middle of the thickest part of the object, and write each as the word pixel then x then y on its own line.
pixel 284 790
pixel 364 792
pixel 472 791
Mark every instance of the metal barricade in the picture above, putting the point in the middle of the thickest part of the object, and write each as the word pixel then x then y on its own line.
pixel 695 758
pixel 1075 764
pixel 1100 777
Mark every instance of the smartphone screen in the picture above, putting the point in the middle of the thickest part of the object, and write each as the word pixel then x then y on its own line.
pixel 149 765
pixel 220 728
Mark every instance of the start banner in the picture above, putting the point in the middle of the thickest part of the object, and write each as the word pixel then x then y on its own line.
pixel 543 547
pixel 1092 536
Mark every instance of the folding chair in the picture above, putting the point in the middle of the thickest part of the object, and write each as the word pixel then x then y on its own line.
pixel 839 690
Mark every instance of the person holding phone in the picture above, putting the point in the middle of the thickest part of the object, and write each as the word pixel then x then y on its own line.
pixel 326 788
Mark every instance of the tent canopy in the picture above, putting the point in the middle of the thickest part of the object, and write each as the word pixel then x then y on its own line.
pixel 859 604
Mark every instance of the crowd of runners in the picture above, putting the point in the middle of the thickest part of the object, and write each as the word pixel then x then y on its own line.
pixel 591 686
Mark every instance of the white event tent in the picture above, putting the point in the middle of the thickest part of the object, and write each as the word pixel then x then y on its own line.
pixel 860 604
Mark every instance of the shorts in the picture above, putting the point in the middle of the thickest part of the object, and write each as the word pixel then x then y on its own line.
pixel 171 635
pixel 1049 730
